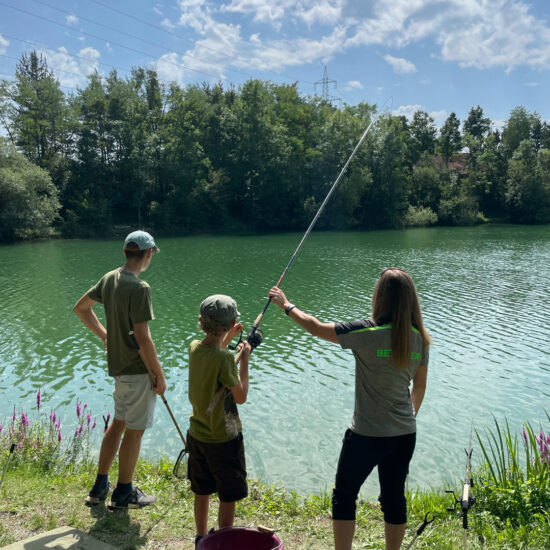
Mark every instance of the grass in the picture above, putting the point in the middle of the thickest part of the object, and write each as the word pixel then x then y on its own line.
pixel 47 481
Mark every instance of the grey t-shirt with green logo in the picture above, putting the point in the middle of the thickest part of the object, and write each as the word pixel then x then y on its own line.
pixel 212 369
pixel 127 301
pixel 383 406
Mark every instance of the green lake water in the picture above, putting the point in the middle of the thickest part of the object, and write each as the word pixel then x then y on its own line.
pixel 485 297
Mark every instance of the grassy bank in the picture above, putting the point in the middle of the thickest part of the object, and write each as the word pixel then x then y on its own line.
pixel 49 475
pixel 32 502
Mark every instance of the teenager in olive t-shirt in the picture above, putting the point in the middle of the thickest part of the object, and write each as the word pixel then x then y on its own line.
pixel 132 361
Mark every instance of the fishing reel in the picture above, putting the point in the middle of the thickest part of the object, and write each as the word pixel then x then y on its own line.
pixel 254 339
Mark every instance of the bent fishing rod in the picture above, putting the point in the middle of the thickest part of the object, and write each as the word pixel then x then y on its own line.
pixel 254 337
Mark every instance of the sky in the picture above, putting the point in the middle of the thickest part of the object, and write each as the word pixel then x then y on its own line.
pixel 402 55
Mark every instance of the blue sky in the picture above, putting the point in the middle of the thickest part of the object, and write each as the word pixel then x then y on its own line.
pixel 436 55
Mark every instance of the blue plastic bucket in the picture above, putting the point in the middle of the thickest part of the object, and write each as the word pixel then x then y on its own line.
pixel 240 538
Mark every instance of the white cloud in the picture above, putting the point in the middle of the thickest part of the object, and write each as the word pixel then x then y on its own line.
pixel 275 13
pixel 71 19
pixel 72 71
pixel 409 110
pixel 108 47
pixel 471 33
pixel 352 85
pixel 406 110
pixel 4 43
pixel 531 84
pixel 158 11
pixel 169 68
pixel 167 24
pixel 400 65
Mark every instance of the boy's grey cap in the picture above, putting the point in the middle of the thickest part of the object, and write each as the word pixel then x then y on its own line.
pixel 220 308
pixel 143 240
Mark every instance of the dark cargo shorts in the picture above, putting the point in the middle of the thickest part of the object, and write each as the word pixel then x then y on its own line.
pixel 218 468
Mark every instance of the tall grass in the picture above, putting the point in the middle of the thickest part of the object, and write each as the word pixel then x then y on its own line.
pixel 514 482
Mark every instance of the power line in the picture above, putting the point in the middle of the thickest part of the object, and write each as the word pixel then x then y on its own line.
pixel 179 65
pixel 137 37
pixel 193 42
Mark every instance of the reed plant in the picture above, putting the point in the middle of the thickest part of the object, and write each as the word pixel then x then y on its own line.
pixel 514 481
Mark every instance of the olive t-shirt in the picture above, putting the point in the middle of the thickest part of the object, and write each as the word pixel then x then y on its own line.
pixel 127 301
pixel 212 370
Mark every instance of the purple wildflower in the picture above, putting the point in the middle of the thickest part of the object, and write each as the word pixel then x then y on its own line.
pixel 59 436
pixel 22 436
pixel 542 441
pixel 1 426
pixel 19 445
pixel 524 433
pixel 38 399
pixel 88 418
pixel 24 419
pixel 94 424
pixel 53 417
pixel 14 417
pixel 85 406
pixel 78 408
pixel 35 444
pixel 79 430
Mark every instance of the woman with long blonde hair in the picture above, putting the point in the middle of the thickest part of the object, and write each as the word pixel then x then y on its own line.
pixel 391 350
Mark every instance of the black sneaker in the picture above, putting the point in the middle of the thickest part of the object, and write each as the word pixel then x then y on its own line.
pixel 97 495
pixel 136 498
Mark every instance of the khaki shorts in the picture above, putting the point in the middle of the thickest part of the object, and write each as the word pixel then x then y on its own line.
pixel 135 400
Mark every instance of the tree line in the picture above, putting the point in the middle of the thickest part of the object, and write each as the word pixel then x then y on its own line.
pixel 260 157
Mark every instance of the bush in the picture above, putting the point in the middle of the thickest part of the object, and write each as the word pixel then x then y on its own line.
pixel 420 216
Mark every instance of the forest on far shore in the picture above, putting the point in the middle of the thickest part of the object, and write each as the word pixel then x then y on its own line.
pixel 260 157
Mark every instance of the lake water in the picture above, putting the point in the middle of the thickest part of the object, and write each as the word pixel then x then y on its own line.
pixel 485 297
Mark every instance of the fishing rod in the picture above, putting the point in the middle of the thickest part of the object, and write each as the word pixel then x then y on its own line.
pixel 252 337
pixel 467 500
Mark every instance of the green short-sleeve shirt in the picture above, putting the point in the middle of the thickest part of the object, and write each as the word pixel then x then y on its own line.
pixel 127 301
pixel 212 369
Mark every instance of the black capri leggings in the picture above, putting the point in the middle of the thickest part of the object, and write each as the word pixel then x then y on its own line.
pixel 359 455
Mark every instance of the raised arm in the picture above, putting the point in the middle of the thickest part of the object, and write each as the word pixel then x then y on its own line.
pixel 240 390
pixel 326 331
pixel 419 387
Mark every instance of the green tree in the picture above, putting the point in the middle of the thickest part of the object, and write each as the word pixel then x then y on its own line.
pixel 518 127
pixel 40 121
pixel 528 189
pixel 450 140
pixel 28 198
pixel 423 135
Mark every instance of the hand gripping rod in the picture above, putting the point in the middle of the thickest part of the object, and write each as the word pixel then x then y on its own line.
pixel 313 222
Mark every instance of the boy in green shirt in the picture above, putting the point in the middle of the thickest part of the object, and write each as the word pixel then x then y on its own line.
pixel 133 363
pixel 215 441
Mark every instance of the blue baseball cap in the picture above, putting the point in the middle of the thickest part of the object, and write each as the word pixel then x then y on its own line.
pixel 142 239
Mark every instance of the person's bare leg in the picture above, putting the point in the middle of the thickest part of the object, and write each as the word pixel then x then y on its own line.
pixel 110 445
pixel 128 455
pixel 343 533
pixel 394 535
pixel 201 514
pixel 226 514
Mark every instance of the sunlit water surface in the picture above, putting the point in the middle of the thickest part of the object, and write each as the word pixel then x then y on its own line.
pixel 485 297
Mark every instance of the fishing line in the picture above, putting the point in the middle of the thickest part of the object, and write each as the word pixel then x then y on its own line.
pixel 251 335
